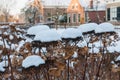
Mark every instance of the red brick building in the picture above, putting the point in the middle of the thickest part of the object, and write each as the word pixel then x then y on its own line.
pixel 96 16
pixel 95 12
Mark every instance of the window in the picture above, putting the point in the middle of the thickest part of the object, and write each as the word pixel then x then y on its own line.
pixel 48 14
pixel 49 19
pixel 76 6
pixel 78 17
pixel 74 17
pixel 118 13
pixel 73 7
pixel 113 13
pixel 108 14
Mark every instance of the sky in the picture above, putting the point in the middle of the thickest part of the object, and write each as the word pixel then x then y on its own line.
pixel 18 6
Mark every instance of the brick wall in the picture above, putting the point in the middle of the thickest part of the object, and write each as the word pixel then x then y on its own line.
pixel 93 16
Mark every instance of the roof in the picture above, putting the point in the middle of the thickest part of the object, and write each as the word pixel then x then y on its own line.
pixel 75 6
pixel 98 5
pixel 65 3
pixel 112 1
pixel 60 2
pixel 113 4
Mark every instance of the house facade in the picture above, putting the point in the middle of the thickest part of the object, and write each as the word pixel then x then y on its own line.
pixel 75 12
pixel 52 10
pixel 113 10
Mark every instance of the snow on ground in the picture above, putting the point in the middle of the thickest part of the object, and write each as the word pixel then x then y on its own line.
pixel 71 33
pixel 47 36
pixel 33 60
pixel 37 28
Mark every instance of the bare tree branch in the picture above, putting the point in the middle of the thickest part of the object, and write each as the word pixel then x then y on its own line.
pixel 6 7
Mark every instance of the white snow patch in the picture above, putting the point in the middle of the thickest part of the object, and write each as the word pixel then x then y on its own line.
pixel 82 44
pixel 96 44
pixel 5 33
pixel 11 23
pixel 111 49
pixel 43 50
pixel 47 36
pixel 2 65
pixel 4 26
pixel 87 27
pixel 94 50
pixel 1 42
pixel 60 31
pixel 71 33
pixel 28 40
pixel 38 28
pixel 118 58
pixel 33 60
pixel 104 27
pixel 112 62
pixel 21 43
pixel 117 46
pixel 75 55
pixel 11 37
